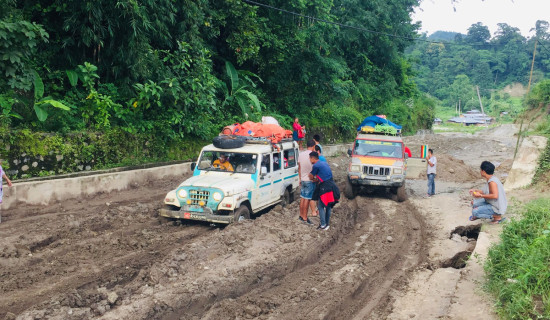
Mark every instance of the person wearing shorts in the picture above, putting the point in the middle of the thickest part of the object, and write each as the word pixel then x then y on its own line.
pixel 306 185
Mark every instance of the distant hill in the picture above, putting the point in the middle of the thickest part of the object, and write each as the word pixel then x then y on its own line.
pixel 443 36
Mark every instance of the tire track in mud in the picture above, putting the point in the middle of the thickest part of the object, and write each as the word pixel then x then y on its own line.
pixel 59 252
pixel 70 274
pixel 271 268
pixel 349 277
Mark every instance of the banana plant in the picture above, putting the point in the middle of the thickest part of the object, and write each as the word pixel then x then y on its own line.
pixel 238 90
pixel 41 102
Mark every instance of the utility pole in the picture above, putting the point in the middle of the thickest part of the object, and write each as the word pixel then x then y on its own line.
pixel 528 89
pixel 532 65
pixel 481 105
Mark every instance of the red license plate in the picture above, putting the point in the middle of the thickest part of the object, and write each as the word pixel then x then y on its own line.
pixel 187 215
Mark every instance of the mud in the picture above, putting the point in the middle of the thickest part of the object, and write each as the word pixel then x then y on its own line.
pixel 109 257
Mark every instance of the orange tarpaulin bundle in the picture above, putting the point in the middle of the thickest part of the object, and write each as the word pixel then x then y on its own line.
pixel 273 132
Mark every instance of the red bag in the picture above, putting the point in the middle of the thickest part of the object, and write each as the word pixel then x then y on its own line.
pixel 301 134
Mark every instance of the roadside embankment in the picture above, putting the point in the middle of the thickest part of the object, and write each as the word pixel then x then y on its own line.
pixel 526 162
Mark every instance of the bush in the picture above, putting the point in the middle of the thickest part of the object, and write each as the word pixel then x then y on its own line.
pixel 33 154
pixel 518 268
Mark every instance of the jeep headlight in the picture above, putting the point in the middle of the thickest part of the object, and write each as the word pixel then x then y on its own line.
pixel 397 170
pixel 217 196
pixel 182 193
pixel 355 168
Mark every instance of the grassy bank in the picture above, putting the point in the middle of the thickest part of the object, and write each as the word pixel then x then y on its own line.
pixel 518 268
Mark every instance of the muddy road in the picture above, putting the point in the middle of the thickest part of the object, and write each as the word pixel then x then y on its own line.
pixel 108 256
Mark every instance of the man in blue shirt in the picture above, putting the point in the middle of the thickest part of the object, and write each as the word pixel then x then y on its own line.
pixel 326 190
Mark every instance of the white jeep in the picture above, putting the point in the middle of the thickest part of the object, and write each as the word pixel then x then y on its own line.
pixel 230 184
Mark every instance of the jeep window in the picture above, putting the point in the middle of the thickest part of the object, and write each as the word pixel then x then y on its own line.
pixel 385 149
pixel 290 158
pixel 276 161
pixel 266 162
pixel 240 162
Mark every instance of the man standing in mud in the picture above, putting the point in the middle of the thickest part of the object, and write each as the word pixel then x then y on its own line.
pixel 306 185
pixel 432 164
pixel 326 192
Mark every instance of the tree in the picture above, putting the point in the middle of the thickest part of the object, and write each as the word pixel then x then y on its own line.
pixel 478 34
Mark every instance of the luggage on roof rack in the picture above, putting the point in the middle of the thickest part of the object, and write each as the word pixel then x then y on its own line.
pixel 379 125
pixel 272 132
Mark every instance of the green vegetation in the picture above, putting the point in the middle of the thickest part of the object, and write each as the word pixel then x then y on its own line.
pixel 180 70
pixel 451 71
pixel 47 154
pixel 518 269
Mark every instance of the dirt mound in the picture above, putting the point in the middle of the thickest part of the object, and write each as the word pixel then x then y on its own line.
pixel 515 90
pixel 452 169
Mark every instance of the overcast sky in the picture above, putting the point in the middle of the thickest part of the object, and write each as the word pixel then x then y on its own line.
pixel 439 14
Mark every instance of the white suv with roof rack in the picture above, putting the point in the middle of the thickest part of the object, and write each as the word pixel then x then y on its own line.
pixel 260 174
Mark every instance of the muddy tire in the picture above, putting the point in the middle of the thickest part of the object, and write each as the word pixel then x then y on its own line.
pixel 401 194
pixel 242 213
pixel 228 142
pixel 349 190
pixel 292 197
pixel 285 199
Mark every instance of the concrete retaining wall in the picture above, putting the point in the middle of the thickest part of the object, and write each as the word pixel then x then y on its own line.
pixel 47 191
pixel 526 162
pixel 44 192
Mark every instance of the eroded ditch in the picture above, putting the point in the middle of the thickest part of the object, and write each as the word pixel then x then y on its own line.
pixel 468 234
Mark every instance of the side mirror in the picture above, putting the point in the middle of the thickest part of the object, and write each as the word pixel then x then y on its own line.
pixel 406 156
pixel 349 152
pixel 193 165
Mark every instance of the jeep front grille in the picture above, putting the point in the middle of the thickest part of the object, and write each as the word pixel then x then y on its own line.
pixel 199 195
pixel 376 171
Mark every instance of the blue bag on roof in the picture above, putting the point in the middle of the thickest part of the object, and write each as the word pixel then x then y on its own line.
pixel 372 121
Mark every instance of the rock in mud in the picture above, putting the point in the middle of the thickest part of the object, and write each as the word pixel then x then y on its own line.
pixel 9 316
pixel 112 297
pixel 389 238
pixel 252 310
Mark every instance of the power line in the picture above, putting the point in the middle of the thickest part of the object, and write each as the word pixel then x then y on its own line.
pixel 359 28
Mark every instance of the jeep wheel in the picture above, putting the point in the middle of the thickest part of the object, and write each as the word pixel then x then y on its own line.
pixel 285 201
pixel 401 194
pixel 349 191
pixel 242 213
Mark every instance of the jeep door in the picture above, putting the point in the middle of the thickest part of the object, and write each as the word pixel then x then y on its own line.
pixel 278 173
pixel 290 173
pixel 264 189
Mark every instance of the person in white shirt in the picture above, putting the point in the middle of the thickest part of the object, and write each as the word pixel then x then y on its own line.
pixel 432 166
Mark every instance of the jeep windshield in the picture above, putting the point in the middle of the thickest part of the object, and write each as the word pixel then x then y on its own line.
pixel 385 149
pixel 227 161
